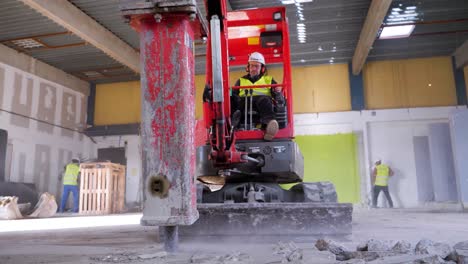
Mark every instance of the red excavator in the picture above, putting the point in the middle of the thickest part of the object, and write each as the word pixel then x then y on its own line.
pixel 237 157
pixel 240 171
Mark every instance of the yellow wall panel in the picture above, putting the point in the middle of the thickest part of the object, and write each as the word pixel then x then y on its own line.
pixel 323 88
pixel 383 85
pixel 430 82
pixel 303 95
pixel 409 83
pixel 117 103
pixel 199 88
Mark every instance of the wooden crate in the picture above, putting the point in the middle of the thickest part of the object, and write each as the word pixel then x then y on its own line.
pixel 102 188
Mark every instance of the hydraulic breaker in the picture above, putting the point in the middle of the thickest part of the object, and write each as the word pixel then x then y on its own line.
pixel 166 30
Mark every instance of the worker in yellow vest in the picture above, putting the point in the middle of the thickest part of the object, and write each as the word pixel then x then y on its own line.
pixel 262 97
pixel 380 176
pixel 70 184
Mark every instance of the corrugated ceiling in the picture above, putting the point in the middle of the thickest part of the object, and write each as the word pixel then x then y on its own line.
pixel 332 26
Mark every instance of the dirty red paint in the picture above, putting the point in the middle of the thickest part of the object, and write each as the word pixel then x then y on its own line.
pixel 168 109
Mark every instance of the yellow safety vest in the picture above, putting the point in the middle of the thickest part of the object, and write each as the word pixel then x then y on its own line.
pixel 258 91
pixel 381 178
pixel 71 174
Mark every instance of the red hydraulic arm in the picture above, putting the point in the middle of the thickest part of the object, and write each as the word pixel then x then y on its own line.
pixel 217 78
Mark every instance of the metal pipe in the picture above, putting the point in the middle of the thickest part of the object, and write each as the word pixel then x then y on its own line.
pixel 251 101
pixel 247 157
pixel 245 108
pixel 171 238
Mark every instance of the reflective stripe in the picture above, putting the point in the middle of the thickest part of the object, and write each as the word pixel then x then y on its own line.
pixel 259 91
pixel 71 174
pixel 381 178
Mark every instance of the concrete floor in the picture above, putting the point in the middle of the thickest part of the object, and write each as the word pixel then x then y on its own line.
pixel 128 242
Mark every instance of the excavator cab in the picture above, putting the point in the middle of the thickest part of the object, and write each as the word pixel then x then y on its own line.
pixel 238 153
pixel 245 32
pixel 263 31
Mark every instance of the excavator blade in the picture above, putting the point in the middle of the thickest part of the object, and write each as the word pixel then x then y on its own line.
pixel 272 219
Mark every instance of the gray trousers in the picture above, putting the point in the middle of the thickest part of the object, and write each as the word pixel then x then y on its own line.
pixel 376 193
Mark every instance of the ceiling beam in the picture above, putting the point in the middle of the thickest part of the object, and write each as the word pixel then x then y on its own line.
pixel 461 55
pixel 70 17
pixel 375 17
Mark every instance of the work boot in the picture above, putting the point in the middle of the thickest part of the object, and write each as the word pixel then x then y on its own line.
pixel 271 130
pixel 235 119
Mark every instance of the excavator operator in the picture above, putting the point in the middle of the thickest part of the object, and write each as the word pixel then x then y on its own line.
pixel 262 97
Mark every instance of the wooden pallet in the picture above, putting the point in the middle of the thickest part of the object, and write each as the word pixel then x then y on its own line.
pixel 102 188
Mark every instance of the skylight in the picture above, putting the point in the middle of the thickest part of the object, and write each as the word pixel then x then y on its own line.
pixel 27 43
pixel 402 14
pixel 400 22
pixel 301 32
pixel 392 32
pixel 290 2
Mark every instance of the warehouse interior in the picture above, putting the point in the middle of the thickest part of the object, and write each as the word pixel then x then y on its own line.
pixel 364 89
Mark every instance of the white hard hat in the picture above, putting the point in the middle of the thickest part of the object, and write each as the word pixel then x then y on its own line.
pixel 257 57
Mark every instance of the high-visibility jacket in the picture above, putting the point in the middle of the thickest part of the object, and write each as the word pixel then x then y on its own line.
pixel 381 178
pixel 258 91
pixel 71 174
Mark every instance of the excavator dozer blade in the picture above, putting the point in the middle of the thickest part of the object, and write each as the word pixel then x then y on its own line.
pixel 278 219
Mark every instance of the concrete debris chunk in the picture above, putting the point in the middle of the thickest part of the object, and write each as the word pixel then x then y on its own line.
pixel 426 246
pixel 402 247
pixel 370 255
pixel 380 245
pixel 289 251
pixel 362 246
pixel 340 251
pixel 236 258
pixel 461 249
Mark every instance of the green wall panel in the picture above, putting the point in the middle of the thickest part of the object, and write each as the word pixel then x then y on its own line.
pixel 332 158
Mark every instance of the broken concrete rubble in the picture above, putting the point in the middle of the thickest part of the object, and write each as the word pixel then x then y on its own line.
pixel 402 247
pixel 340 251
pixel 289 251
pixel 381 251
pixel 380 245
pixel 426 246
pixel 461 250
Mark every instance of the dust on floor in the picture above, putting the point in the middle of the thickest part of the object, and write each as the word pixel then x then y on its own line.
pixel 132 243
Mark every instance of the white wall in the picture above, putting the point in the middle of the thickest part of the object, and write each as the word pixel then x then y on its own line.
pixel 41 149
pixel 386 134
